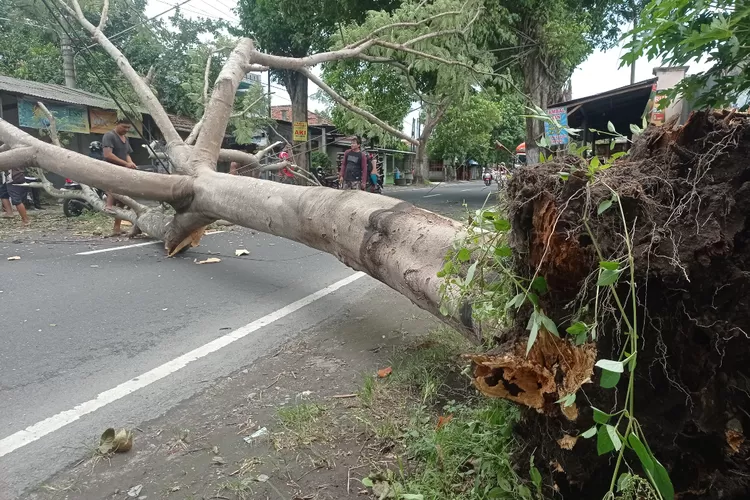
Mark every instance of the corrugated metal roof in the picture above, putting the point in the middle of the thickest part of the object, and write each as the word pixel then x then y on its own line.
pixel 53 92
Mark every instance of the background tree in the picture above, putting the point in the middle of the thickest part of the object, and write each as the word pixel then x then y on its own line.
pixel 372 87
pixel 466 130
pixel 441 64
pixel 681 32
pixel 298 28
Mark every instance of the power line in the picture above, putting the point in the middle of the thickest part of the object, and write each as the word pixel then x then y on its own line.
pixel 96 72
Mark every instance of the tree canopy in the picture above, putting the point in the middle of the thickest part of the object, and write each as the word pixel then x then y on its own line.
pixel 681 32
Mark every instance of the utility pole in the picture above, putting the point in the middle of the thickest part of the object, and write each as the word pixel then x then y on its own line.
pixel 69 70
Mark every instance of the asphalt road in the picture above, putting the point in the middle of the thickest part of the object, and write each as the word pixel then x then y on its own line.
pixel 92 340
pixel 448 199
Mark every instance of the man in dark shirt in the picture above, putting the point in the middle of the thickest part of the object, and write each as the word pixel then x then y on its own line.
pixel 353 173
pixel 117 150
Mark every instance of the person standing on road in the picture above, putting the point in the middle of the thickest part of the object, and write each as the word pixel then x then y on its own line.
pixel 353 173
pixel 12 193
pixel 117 150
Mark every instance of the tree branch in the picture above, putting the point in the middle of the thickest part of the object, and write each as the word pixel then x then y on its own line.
pixel 354 109
pixel 297 63
pixel 449 62
pixel 147 97
pixel 249 68
pixel 411 24
pixel 248 107
pixel 219 109
pixel 22 157
pixel 206 74
pixel 103 18
pixel 263 152
pixel 94 172
pixel 52 129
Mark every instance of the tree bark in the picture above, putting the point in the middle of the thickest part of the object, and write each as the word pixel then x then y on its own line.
pixel 536 87
pixel 296 84
pixel 433 115
pixel 69 71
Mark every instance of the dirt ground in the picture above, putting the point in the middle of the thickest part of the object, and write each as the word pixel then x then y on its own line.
pixel 319 442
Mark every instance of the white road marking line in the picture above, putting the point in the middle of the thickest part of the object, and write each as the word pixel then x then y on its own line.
pixel 56 422
pixel 125 247
pixel 102 250
pixel 430 195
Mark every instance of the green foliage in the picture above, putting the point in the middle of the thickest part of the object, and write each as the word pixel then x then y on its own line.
pixel 373 87
pixel 679 31
pixel 478 436
pixel 39 58
pixel 320 159
pixel 466 131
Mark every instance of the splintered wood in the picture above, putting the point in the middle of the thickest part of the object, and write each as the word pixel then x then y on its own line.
pixel 193 240
pixel 553 369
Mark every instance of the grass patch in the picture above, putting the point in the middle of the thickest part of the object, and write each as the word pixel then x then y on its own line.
pixel 451 443
pixel 302 423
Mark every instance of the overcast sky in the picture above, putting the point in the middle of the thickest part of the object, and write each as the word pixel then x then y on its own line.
pixel 597 74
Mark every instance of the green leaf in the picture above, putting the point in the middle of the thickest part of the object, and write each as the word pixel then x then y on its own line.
pixel 600 417
pixel 609 380
pixel 464 255
pixel 540 285
pixel 470 273
pixel 617 155
pixel 604 443
pixel 643 455
pixel 612 144
pixel 607 277
pixel 516 301
pixel 594 163
pixel 613 436
pixel 367 482
pixel 541 157
pixel 635 129
pixel 536 477
pixel 447 268
pixel 495 492
pixel 411 496
pixel 662 481
pixel 611 127
pixel 577 328
pixel 609 265
pixel 501 225
pixel 589 433
pixel 610 365
pixel 603 207
pixel 580 338
pixel 550 325
pixel 534 299
pixel 567 401
pixel 533 334
pixel 623 481
pixel 564 175
pixel 503 251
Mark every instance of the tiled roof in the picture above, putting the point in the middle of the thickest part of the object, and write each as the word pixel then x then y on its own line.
pixel 182 123
pixel 53 92
pixel 284 113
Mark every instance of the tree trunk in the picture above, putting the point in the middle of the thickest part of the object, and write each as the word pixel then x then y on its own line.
pixel 68 63
pixel 536 87
pixel 296 85
pixel 433 115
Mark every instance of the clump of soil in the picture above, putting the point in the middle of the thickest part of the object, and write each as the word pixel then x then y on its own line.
pixel 685 196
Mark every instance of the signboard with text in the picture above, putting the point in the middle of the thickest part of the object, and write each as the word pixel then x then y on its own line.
pixel 104 120
pixel 300 131
pixel 67 118
pixel 557 136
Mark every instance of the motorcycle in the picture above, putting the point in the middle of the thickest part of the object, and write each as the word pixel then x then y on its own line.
pixel 487 179
pixel 331 181
pixel 74 207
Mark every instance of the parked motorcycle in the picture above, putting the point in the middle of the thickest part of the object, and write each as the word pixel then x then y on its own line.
pixel 331 181
pixel 74 207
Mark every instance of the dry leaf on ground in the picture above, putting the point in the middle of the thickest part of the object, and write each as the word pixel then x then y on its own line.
pixel 115 441
pixel 15 257
pixel 210 260
pixel 241 251
pixel 442 420
pixel 384 372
